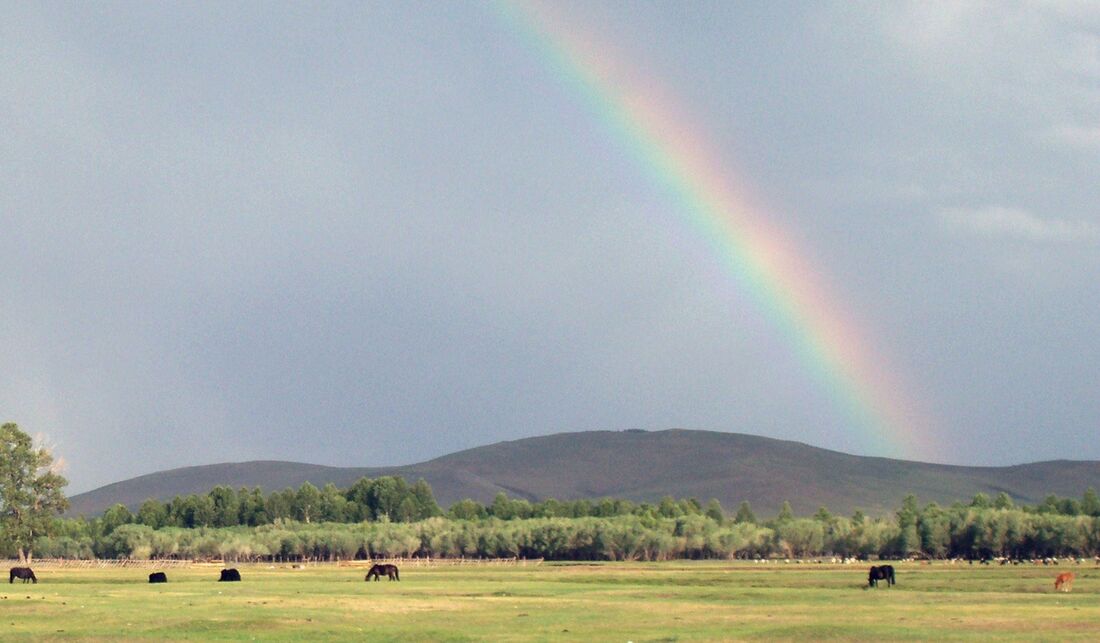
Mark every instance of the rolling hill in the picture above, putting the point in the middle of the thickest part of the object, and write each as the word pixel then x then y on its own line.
pixel 644 466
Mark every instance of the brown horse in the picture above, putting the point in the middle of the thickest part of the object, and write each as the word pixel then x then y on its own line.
pixel 389 570
pixel 1064 582
pixel 21 572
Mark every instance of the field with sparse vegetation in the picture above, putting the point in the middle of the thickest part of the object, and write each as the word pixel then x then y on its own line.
pixel 600 601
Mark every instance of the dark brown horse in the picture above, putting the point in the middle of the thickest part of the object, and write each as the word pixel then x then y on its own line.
pixel 389 570
pixel 21 572
pixel 882 572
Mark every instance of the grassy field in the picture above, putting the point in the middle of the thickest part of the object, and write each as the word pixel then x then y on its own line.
pixel 607 602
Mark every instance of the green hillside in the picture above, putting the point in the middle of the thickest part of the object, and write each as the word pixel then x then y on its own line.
pixel 644 466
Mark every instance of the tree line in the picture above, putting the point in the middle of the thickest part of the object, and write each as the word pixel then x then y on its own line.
pixel 386 498
pixel 387 517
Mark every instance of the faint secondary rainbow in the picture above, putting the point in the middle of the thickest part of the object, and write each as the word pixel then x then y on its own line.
pixel 757 254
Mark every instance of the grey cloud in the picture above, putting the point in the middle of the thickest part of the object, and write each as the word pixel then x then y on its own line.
pixel 1077 136
pixel 1013 223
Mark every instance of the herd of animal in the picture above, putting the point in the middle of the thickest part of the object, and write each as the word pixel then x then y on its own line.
pixel 1063 582
pixel 227 575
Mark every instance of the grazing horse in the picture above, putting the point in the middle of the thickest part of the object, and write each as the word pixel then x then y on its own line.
pixel 883 572
pixel 389 570
pixel 21 572
pixel 158 577
pixel 230 575
pixel 1064 582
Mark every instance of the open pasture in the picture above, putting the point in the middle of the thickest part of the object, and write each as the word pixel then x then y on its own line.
pixel 607 602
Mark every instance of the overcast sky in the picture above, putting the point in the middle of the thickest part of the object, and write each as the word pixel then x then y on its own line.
pixel 366 234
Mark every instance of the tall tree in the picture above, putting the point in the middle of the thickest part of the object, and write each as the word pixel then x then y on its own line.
pixel 307 503
pixel 714 511
pixel 153 513
pixel 227 506
pixel 744 514
pixel 115 517
pixel 1090 503
pixel 425 500
pixel 466 510
pixel 30 491
pixel 333 504
pixel 252 509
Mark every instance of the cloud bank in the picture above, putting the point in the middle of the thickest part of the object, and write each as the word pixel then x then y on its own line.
pixel 1014 223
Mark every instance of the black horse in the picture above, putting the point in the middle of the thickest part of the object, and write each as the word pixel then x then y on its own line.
pixel 21 572
pixel 230 575
pixel 883 572
pixel 389 570
pixel 158 577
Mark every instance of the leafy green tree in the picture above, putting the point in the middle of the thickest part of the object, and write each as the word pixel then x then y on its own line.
pixel 385 496
pixel 253 507
pixel 153 513
pixel 280 504
pixel 583 507
pixel 358 495
pixel 744 514
pixel 1049 505
pixel 426 506
pixel 981 501
pixel 910 509
pixel 226 506
pixel 551 508
pixel 669 508
pixel 505 508
pixel 1069 507
pixel 407 511
pixel 801 536
pixel 907 540
pixel 785 512
pixel 333 504
pixel 115 517
pixel 172 509
pixel 196 510
pixel 1090 503
pixel 30 491
pixel 714 511
pixel 690 507
pixel 934 530
pixel 1002 501
pixel 466 510
pixel 617 507
pixel 307 503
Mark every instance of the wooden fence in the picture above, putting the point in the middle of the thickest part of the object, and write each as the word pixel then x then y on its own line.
pixel 97 563
pixel 178 563
pixel 428 561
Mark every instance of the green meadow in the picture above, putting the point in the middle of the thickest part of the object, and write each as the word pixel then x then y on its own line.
pixel 674 601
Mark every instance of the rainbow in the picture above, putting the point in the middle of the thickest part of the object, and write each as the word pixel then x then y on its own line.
pixel 757 254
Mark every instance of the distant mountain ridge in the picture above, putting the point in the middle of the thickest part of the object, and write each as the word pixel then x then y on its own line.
pixel 643 466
